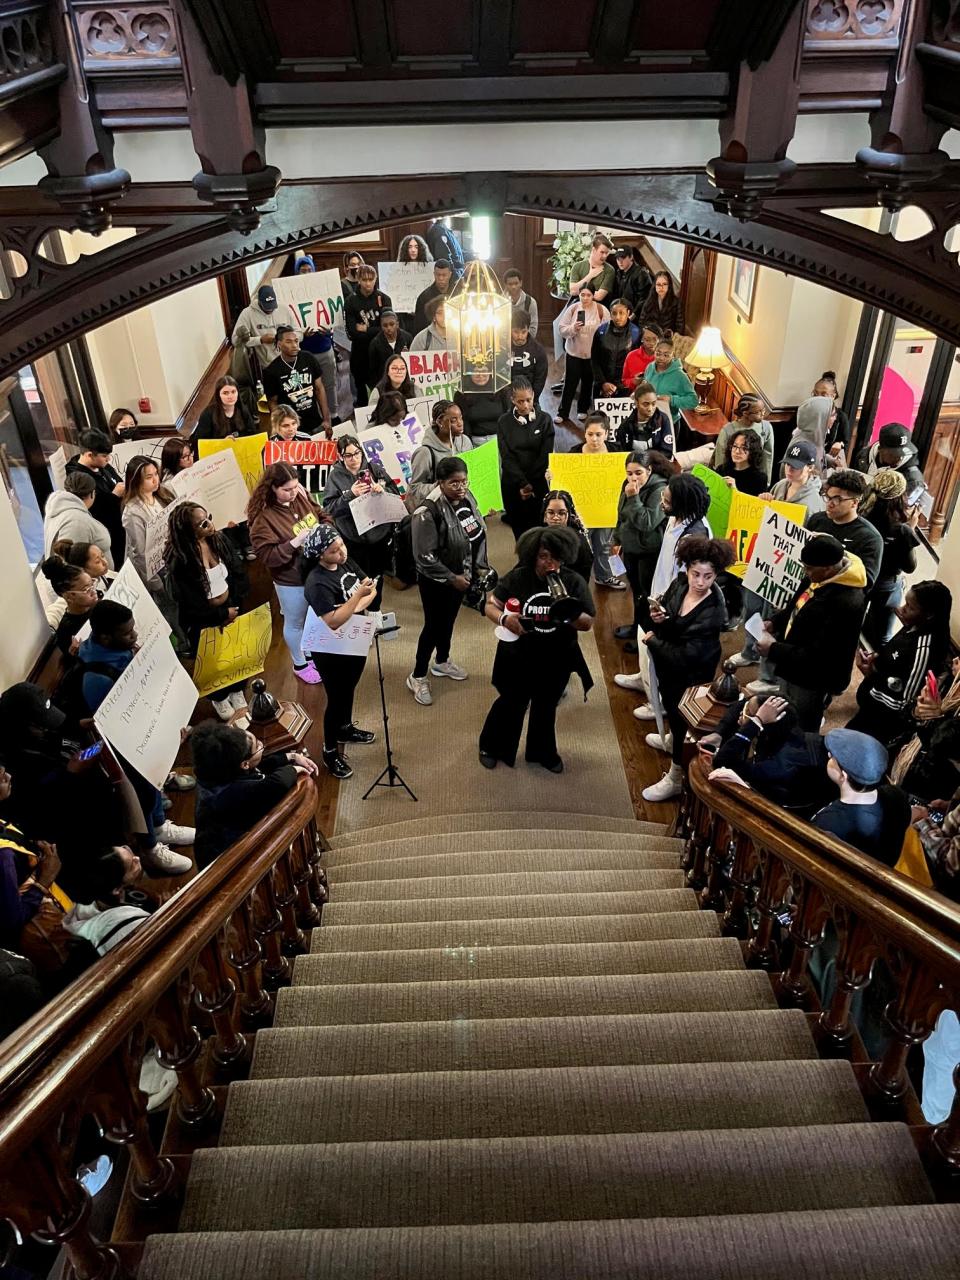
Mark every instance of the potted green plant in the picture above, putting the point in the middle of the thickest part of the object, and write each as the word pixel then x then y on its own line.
pixel 570 247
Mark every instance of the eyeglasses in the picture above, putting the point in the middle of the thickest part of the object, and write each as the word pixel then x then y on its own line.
pixel 205 523
pixel 457 484
pixel 739 448
pixel 840 497
pixel 352 453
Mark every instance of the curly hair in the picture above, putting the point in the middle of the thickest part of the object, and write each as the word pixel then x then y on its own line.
pixel 754 449
pixel 274 476
pixel 561 543
pixel 695 549
pixel 403 253
pixel 218 752
pixel 182 552
pixel 573 519
pixel 849 481
pixel 406 387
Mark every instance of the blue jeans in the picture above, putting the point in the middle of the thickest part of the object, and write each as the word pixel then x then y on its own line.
pixel 880 621
pixel 601 540
pixel 293 606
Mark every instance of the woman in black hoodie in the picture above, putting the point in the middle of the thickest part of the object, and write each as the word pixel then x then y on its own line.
pixel 525 441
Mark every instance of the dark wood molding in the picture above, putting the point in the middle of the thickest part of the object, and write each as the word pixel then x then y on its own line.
pixel 613 31
pixel 239 38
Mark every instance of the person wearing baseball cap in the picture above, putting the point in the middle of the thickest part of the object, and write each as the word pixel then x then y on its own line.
pixel 633 279
pixel 894 448
pixel 256 328
pixel 871 817
pixel 812 643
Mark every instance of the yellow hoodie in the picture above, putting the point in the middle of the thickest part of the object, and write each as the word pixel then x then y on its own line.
pixel 853 574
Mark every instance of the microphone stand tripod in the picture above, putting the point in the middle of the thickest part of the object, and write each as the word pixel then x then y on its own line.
pixel 391 773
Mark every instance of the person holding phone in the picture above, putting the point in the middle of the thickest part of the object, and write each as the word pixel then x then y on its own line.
pixel 207 580
pixel 336 589
pixel 356 476
pixel 281 514
pixel 578 324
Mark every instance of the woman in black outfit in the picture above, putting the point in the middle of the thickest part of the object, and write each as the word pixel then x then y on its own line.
pixel 533 670
pixel 525 441
pixel 744 469
pixel 558 512
pixel 206 578
pixel 225 415
pixel 482 408
pixel 336 590
pixel 662 306
pixel 450 549
pixel 884 507
pixel 354 476
pixel 684 643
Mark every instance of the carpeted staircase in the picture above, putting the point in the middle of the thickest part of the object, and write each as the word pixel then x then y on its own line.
pixel 522 1053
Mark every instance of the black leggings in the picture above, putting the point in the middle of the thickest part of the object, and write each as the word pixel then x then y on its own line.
pixel 375 559
pixel 441 604
pixel 340 674
pixel 577 378
pixel 670 696
pixel 640 570
pixel 360 369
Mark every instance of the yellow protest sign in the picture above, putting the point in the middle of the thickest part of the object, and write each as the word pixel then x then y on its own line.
pixel 593 480
pixel 248 450
pixel 743 524
pixel 235 653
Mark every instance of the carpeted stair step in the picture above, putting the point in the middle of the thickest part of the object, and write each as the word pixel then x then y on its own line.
pixel 921 1242
pixel 640 1039
pixel 500 861
pixel 482 1104
pixel 582 1176
pixel 456 824
pixel 519 882
pixel 498 906
pixel 648 927
pixel 493 841
pixel 567 959
pixel 522 998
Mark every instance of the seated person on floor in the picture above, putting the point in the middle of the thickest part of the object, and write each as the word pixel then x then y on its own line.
pixel 105 918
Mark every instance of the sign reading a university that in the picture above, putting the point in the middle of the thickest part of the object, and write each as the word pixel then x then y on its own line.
pixel 775 571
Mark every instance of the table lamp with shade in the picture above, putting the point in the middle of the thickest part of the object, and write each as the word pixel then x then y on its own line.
pixel 706 355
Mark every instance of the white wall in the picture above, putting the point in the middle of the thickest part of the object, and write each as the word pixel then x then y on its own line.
pixel 23 638
pixel 671 251
pixel 948 571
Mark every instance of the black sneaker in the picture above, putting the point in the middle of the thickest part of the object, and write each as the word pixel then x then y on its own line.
pixel 350 733
pixel 335 764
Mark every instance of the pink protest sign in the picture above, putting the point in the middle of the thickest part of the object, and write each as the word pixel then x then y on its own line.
pixel 898 402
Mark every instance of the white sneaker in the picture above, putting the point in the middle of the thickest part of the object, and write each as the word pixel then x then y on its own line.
pixel 660 744
pixel 180 782
pixel 760 687
pixel 419 686
pixel 224 709
pixel 170 833
pixel 237 700
pixel 157 1082
pixel 668 788
pixel 741 660
pixel 634 682
pixel 448 669
pixel 644 712
pixel 161 861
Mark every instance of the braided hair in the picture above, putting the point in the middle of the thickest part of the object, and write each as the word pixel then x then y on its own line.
pixel 182 553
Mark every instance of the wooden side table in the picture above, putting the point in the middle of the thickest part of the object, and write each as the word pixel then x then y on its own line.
pixel 701 428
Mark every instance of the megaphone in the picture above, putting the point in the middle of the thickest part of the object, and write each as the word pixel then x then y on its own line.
pixel 563 607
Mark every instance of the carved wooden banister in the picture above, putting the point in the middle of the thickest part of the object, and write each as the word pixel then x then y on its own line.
pixel 876 912
pixel 197 968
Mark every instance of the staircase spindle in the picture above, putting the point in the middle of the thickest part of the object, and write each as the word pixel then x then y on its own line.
pixel 315 845
pixel 307 911
pixel 697 847
pixel 736 922
pixel 762 951
pixel 946 1136
pixel 119 1107
pixel 853 968
pixel 294 943
pixel 267 922
pixel 912 1016
pixel 179 1044
pixel 717 857
pixel 245 957
pixel 806 933
pixel 216 995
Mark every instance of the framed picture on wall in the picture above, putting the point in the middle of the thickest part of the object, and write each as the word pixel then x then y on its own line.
pixel 743 286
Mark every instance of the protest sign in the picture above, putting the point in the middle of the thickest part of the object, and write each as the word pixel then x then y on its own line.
pixel 311 459
pixel 393 447
pixel 483 472
pixel 233 653
pixel 129 588
pixel 405 281
pixel 373 509
pixel 743 524
pixel 434 373
pixel 217 484
pixel 617 408
pixel 156 541
pixel 775 572
pixel 124 450
pixel 142 715
pixel 721 495
pixel 248 451
pixel 312 301
pixel 593 480
pixel 422 407
pixel 354 637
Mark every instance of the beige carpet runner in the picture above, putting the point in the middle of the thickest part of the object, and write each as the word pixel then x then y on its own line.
pixel 522 1053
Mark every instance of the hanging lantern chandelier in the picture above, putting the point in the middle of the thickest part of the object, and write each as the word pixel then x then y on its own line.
pixel 478 329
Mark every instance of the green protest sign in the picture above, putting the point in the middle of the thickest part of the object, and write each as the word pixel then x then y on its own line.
pixel 721 495
pixel 483 472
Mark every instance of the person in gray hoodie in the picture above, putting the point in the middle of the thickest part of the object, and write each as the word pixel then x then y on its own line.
pixel 434 337
pixel 67 516
pixel 814 419
pixel 443 439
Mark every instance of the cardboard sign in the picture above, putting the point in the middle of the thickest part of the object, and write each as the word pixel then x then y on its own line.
pixel 313 300
pixel 233 653
pixel 373 509
pixel 593 480
pixel 422 407
pixel 743 526
pixel 617 408
pixel 721 495
pixel 248 451
pixel 156 543
pixel 128 588
pixel 775 572
pixel 353 638
pixel 217 484
pixel 405 281
pixel 483 472
pixel 124 450
pixel 142 715
pixel 435 373
pixel 393 447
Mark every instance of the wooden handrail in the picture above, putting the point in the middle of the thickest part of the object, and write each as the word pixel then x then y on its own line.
pixel 47 1060
pixel 921 919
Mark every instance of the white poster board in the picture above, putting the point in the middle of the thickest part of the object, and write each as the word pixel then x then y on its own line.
pixel 434 373
pixel 775 572
pixel 313 300
pixel 57 463
pixel 616 408
pixel 422 407
pixel 405 281
pixel 373 509
pixel 216 483
pixel 156 541
pixel 128 588
pixel 143 713
pixel 124 450
pixel 353 638
pixel 393 447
